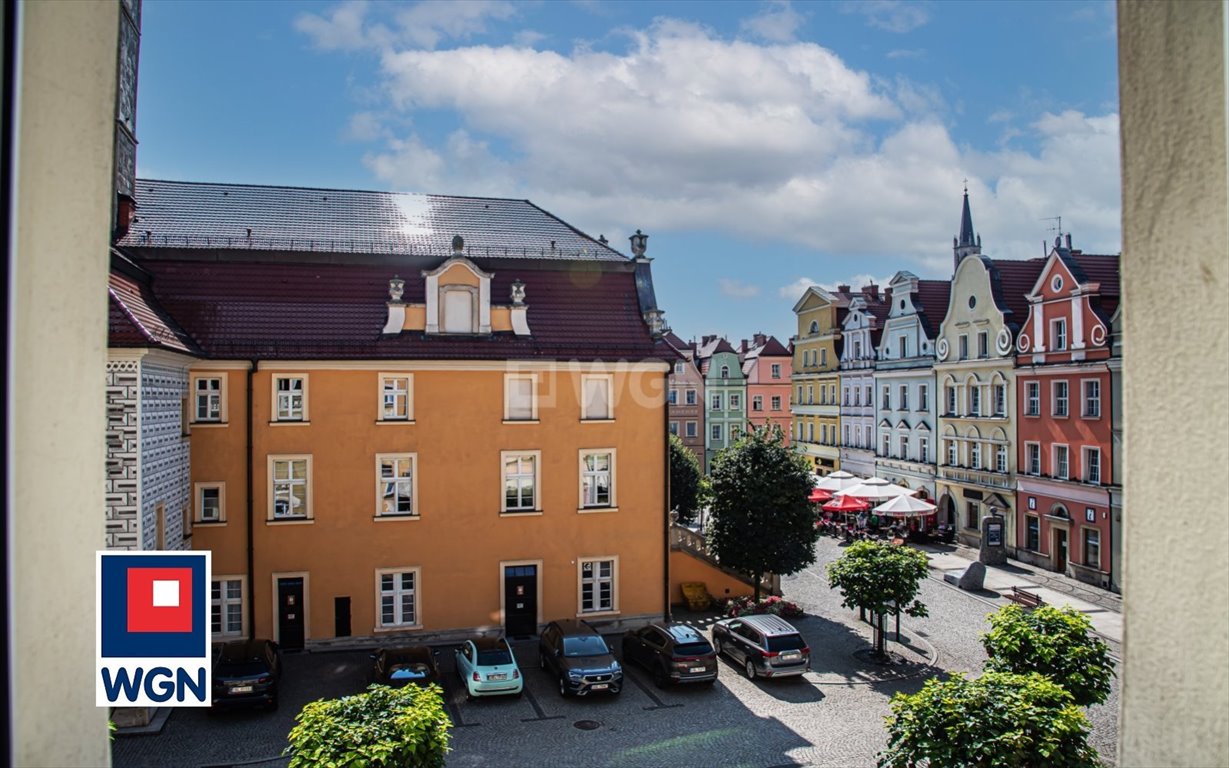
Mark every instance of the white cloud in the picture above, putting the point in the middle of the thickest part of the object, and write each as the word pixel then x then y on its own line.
pixel 424 25
pixel 907 53
pixel 736 289
pixel 794 290
pixel 776 23
pixel 340 30
pixel 890 15
pixel 528 38
pixel 366 126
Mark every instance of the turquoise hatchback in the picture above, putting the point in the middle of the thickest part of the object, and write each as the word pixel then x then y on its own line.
pixel 488 668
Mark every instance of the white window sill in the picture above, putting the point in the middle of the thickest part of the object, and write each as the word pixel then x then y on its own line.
pixel 526 513
pixel 596 614
pixel 195 424
pixel 398 628
pixel 299 521
pixel 208 523
pixel 521 421
pixel 386 422
pixel 597 421
pixel 288 423
pixel 390 518
pixel 595 510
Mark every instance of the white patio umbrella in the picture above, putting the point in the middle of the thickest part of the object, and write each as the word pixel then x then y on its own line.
pixel 838 481
pixel 877 489
pixel 905 506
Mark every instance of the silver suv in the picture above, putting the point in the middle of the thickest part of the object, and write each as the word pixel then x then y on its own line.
pixel 765 645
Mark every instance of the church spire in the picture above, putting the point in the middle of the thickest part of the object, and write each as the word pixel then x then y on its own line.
pixel 967 243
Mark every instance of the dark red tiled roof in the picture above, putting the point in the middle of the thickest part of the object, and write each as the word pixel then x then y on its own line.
pixel 337 311
pixel 1102 269
pixel 713 346
pixel 1012 280
pixel 178 214
pixel 931 302
pixel 136 320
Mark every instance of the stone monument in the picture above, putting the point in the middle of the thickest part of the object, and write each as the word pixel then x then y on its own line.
pixel 993 540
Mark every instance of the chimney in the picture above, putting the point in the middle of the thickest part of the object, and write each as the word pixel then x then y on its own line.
pixel 760 339
pixel 125 214
pixel 1068 241
pixel 707 339
pixel 873 290
pixel 743 348
pixel 842 288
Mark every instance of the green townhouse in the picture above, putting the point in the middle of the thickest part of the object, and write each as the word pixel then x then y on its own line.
pixel 725 393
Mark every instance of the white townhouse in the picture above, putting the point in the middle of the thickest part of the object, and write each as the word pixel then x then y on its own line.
pixel 860 332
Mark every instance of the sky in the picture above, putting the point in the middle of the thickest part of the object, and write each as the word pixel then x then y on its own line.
pixel 762 146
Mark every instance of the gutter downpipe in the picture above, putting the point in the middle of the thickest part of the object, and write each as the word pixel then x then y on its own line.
pixel 665 423
pixel 251 551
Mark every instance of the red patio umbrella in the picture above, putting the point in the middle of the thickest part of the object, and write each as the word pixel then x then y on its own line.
pixel 846 503
pixel 819 495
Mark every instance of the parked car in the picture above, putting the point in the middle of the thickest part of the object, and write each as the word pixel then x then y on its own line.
pixel 672 653
pixel 578 656
pixel 404 666
pixel 765 645
pixel 246 672
pixel 487 667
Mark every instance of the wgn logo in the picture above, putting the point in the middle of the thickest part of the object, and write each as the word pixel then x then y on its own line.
pixel 153 629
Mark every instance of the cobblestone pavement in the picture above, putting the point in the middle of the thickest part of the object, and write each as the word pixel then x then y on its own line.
pixel 833 716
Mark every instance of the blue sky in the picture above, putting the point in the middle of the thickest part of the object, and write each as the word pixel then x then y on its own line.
pixel 763 146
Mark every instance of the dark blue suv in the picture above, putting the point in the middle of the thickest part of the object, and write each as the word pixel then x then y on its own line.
pixel 577 655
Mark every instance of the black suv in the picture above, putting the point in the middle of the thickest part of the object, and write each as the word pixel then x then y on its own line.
pixel 246 672
pixel 671 653
pixel 577 655
pixel 766 645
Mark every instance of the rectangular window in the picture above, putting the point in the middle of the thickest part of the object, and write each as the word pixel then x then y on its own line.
pixel 290 487
pixel 715 432
pixel 1092 548
pixel 674 428
pixel 903 447
pixel 680 367
pixel 395 484
pixel 395 400
pixel 672 397
pixel 691 429
pixel 520 397
pixel 857 396
pixel 1058 331
pixel 715 403
pixel 886 448
pixel 1032 536
pixel 1032 398
pixel 776 370
pixel 1032 458
pixel 735 432
pixel 972 515
pixel 1060 398
pixel 824 437
pixel 823 356
pixel 870 442
pixel 951 400
pixel 1061 462
pixel 736 401
pixel 691 397
pixel 799 394
pixel 597 586
pixel 923 397
pixel 291 402
pixel 597 479
pixel 983 345
pixel 597 403
pixel 520 481
pixel 776 402
pixel 1092 399
pixel 923 449
pixel 1000 458
pixel 904 398
pixel 1092 465
pixel 886 403
pixel 845 396
pixel 975 400
pixel 207 394
pixel 964 346
pixel 757 403
pixel 904 346
pixel 845 434
pixel 868 400
pixel 210 502
pixel 1000 400
pixel 952 453
pixel 226 609
pixel 398 593
pixel 810 395
pixel 810 432
pixel 975 455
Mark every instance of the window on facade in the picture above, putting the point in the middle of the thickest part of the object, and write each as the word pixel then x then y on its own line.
pixel 1000 400
pixel 952 453
pixel 597 479
pixel 398 598
pixel 1032 536
pixel 824 434
pixel 951 400
pixel 823 356
pixel 680 367
pixel 1092 548
pixel 691 429
pixel 923 397
pixel 1060 398
pixel 1092 465
pixel 597 586
pixel 983 344
pixel 857 396
pixel 857 350
pixel 691 397
pixel 458 306
pixel 810 394
pixel 886 448
pixel 886 403
pixel 725 371
pixel 1032 398
pixel 290 487
pixel 903 346
pixel 226 609
pixel 714 431
pixel 208 399
pixel 904 398
pixel 845 396
pixel 520 482
pixel 736 401
pixel 1061 462
pixel 776 402
pixel 868 400
pixel 674 428
pixel 1000 458
pixel 210 504
pixel 596 404
pixel 715 403
pixel 735 432
pixel 1058 332
pixel 1092 399
pixel 395 484
pixel 923 449
pixel 395 398
pixel 519 401
pixel 972 514
pixel 845 435
pixel 823 395
pixel 1032 458
pixel 870 442
pixel 975 400
pixel 776 370
pixel 964 346
pixel 757 403
pixel 903 447
pixel 672 397
pixel 290 398
pixel 975 455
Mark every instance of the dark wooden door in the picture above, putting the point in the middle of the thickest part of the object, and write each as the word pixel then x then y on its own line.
pixel 1060 550
pixel 341 617
pixel 290 613
pixel 520 600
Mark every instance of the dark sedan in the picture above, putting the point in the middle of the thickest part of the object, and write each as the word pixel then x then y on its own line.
pixel 246 672
pixel 404 666
pixel 672 653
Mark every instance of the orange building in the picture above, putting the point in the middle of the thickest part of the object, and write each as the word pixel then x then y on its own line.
pixel 412 413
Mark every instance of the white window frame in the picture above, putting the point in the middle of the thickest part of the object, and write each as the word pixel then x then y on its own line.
pixel 397 593
pixel 504 457
pixel 287 416
pixel 1000 459
pixel 887 444
pixel 219 394
pixel 691 429
pixel 1058 334
pixel 224 601
pixel 672 396
pixel 532 378
pixel 983 345
pixel 674 428
pixel 975 400
pixel 1088 452
pixel 953 452
pixel 714 402
pixel 725 371
pixel 736 401
pixel 1032 459
pixel 845 434
pixel 198 503
pixel 714 432
pixel 964 346
pixel 596 581
pixel 690 398
pixel 1085 411
pixel 1055 466
pixel 1032 398
pixel 923 449
pixel 776 370
pixel 902 445
pixel 584 504
pixel 679 367
pixel 1085 532
pixel 1065 399
pixel 998 391
pixel 757 403
pixel 975 456
pixel 904 397
pixel 886 404
pixel 951 398
pixel 381 482
pixel 775 402
pixel 923 397
pixel 308 517
pixel 407 414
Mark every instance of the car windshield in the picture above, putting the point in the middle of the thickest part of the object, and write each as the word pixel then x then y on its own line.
pixel 409 672
pixel 692 649
pixel 494 657
pixel 585 645
pixel 239 669
pixel 786 643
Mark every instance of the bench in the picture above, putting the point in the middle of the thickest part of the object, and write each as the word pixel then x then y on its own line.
pixel 1025 598
pixel 697 596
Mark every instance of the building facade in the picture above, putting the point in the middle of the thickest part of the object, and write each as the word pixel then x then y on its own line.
pixel 686 397
pixel 816 377
pixel 1065 445
pixel 766 366
pixel 907 416
pixel 725 393
pixel 859 338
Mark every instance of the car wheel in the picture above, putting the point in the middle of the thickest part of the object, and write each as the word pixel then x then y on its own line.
pixel 750 667
pixel 659 677
pixel 563 687
pixel 717 645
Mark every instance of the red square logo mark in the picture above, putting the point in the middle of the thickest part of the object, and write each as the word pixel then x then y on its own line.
pixel 159 599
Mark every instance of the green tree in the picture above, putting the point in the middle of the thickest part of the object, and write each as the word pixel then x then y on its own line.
pixel 999 719
pixel 882 578
pixel 685 480
pixel 1055 642
pixel 762 522
pixel 381 728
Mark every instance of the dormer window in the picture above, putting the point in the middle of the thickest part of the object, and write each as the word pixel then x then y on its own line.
pixel 460 309
pixel 458 298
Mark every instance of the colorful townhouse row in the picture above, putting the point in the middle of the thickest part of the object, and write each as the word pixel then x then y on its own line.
pixel 997 392
pixel 717 390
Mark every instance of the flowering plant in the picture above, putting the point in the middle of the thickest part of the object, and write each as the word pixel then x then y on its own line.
pixel 741 606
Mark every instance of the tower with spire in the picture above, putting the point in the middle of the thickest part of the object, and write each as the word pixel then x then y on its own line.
pixel 966 244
